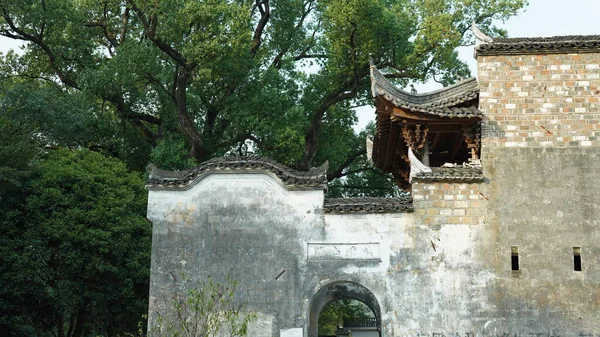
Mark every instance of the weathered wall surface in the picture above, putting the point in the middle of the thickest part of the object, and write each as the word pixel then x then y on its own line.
pixel 443 269
pixel 243 225
pixel 425 277
pixel 540 151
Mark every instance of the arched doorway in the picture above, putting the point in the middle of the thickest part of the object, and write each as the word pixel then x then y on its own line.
pixel 336 291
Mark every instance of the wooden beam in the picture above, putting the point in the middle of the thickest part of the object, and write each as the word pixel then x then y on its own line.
pixel 383 105
pixel 434 142
pixel 445 128
pixel 457 141
pixel 382 143
pixel 417 116
pixel 390 152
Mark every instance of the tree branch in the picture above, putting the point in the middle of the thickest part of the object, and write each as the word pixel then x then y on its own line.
pixel 112 41
pixel 149 25
pixel 38 40
pixel 346 91
pixel 183 75
pixel 34 77
pixel 125 24
pixel 339 172
pixel 277 61
pixel 155 81
pixel 188 127
pixel 265 13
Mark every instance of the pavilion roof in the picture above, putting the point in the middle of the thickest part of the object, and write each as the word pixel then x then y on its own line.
pixel 453 101
pixel 446 120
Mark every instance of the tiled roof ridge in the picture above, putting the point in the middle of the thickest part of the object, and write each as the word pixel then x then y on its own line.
pixel 452 174
pixel 541 45
pixel 368 205
pixel 449 96
pixel 185 178
pixel 545 39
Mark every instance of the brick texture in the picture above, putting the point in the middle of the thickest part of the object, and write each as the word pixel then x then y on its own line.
pixel 448 203
pixel 540 100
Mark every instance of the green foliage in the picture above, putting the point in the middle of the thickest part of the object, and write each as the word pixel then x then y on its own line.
pixel 171 154
pixel 207 309
pixel 75 256
pixel 149 80
pixel 336 313
pixel 179 82
pixel 17 151
pixel 49 117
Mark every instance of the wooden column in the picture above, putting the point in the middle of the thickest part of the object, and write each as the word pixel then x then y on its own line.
pixel 472 135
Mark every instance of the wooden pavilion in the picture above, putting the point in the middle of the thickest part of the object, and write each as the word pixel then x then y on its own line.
pixel 441 126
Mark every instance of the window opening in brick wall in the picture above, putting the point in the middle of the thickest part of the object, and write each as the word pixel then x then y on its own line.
pixel 514 258
pixel 577 258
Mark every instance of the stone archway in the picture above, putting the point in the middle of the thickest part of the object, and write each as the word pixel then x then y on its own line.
pixel 336 291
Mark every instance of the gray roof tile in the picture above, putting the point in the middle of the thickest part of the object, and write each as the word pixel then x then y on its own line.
pixel 451 101
pixel 368 205
pixel 316 177
pixel 451 174
pixel 540 45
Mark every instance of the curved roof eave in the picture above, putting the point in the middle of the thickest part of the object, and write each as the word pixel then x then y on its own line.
pixel 442 102
pixel 183 180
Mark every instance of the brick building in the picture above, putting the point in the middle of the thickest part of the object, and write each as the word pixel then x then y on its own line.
pixel 503 242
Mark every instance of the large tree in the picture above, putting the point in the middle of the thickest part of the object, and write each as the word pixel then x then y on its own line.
pixel 74 243
pixel 197 79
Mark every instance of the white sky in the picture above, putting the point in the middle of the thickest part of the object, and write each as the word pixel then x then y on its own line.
pixel 541 18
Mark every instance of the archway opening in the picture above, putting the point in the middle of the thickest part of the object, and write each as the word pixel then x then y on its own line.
pixel 349 296
pixel 347 314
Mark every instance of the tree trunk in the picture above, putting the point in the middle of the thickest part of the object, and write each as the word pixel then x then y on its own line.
pixel 311 142
pixel 187 125
pixel 79 323
pixel 61 326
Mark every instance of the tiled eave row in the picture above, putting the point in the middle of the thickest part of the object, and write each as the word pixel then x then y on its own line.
pixel 176 180
pixel 455 101
pixel 564 47
pixel 161 179
pixel 368 205
pixel 451 174
pixel 487 45
pixel 451 112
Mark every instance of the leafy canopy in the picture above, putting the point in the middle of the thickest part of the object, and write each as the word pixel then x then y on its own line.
pixel 77 248
pixel 180 81
pixel 177 82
